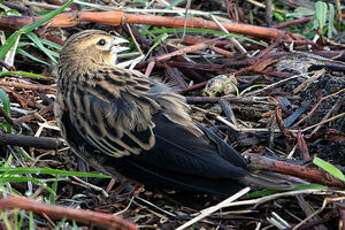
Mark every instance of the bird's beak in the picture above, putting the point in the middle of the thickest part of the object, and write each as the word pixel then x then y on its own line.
pixel 117 48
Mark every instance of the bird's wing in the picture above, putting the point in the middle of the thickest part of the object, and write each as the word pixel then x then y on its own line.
pixel 176 150
pixel 112 110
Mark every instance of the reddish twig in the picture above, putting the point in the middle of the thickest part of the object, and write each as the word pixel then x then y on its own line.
pixel 194 87
pixel 287 134
pixel 185 65
pixel 302 146
pixel 223 52
pixel 313 174
pixel 116 18
pixel 196 66
pixel 149 68
pixel 269 48
pixel 83 216
pixel 191 40
pixel 16 97
pixel 292 23
pixel 188 49
pixel 36 87
pixel 53 225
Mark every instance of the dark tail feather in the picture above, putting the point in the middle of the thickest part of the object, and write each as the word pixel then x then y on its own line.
pixel 269 181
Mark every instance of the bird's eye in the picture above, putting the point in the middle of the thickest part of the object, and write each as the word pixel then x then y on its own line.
pixel 101 42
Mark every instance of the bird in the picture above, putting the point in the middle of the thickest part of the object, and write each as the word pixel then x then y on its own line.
pixel 128 125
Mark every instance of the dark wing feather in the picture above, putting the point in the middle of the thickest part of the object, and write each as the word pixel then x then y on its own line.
pixel 176 150
pixel 224 150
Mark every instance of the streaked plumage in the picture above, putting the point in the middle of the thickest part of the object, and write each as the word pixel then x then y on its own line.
pixel 123 123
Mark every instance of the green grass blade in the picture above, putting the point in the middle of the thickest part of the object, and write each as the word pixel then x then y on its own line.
pixel 321 10
pixel 267 192
pixel 7 107
pixel 5 101
pixel 31 221
pixel 173 4
pixel 21 73
pixel 74 225
pixel 311 186
pixel 8 161
pixel 52 196
pixel 22 179
pixel 331 169
pixel 33 37
pixel 22 44
pixel 51 44
pixel 26 54
pixel 160 39
pixel 8 44
pixel 21 219
pixel 250 88
pixel 331 17
pixel 51 15
pixel 261 193
pixel 16 179
pixel 6 220
pixel 13 171
pixel 61 223
pixel 15 220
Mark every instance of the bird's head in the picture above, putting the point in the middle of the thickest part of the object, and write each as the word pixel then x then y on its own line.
pixel 92 46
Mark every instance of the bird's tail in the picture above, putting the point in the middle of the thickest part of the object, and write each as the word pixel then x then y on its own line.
pixel 269 181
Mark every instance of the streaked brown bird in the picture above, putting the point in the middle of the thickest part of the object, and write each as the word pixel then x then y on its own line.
pixel 123 123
